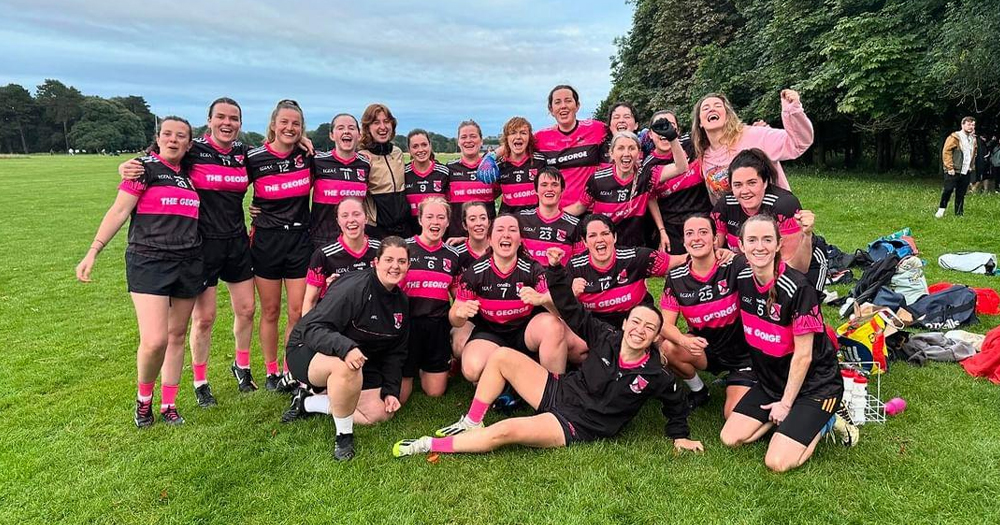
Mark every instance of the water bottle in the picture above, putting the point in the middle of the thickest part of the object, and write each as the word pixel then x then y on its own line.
pixel 859 400
pixel 847 375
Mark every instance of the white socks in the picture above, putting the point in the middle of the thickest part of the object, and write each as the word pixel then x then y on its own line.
pixel 318 404
pixel 345 425
pixel 695 383
pixel 940 213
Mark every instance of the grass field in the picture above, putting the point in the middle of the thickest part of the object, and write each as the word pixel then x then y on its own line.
pixel 70 453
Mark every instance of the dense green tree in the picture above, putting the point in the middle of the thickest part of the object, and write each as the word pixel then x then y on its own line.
pixel 320 137
pixel 107 125
pixel 18 111
pixel 61 105
pixel 140 108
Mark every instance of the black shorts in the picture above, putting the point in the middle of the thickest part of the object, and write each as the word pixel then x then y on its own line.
pixel 430 346
pixel 803 423
pixel 573 433
pixel 227 260
pixel 299 357
pixel 738 369
pixel 183 279
pixel 675 232
pixel 513 339
pixel 513 210
pixel 279 253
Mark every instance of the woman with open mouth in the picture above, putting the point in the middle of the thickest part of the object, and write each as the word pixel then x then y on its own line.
pixel 518 164
pixel 547 226
pixel 163 263
pixel 750 175
pixel 338 174
pixel 490 294
pixel 463 184
pixel 718 135
pixel 219 174
pixel 353 345
pixel 425 176
pixel 430 283
pixel 572 146
pixel 677 196
pixel 281 174
pixel 621 191
pixel 351 251
pixel 385 202
pixel 595 402
pixel 798 390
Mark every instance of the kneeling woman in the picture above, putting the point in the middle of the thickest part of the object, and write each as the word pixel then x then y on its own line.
pixel 353 344
pixel 594 402
pixel 798 386
pixel 489 296
pixel 163 263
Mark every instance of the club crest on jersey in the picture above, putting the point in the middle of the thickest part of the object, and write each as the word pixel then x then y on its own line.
pixel 361 175
pixel 518 286
pixel 437 186
pixel 561 235
pixel 775 312
pixel 623 277
pixel 446 264
pixel 398 320
pixel 299 162
pixel 723 287
pixel 638 384
pixel 239 158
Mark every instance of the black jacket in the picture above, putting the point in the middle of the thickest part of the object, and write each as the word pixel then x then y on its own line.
pixel 602 396
pixel 357 311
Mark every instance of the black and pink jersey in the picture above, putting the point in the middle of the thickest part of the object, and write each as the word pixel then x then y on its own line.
pixel 778 203
pixel 501 309
pixel 337 258
pixel 770 328
pixel 620 286
pixel 576 154
pixel 709 306
pixel 617 198
pixel 281 185
pixel 538 234
pixel 467 256
pixel 164 222
pixel 517 182
pixel 679 196
pixel 335 179
pixel 433 274
pixel 421 185
pixel 463 186
pixel 220 176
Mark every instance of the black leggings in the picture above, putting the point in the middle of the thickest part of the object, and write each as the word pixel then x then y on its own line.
pixel 959 184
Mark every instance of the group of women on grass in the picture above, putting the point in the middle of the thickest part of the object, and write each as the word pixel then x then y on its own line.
pixel 397 272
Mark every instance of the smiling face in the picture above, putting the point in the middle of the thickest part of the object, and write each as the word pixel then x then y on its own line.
pixel 420 148
pixel 351 219
pixel 550 190
pixel 381 128
pixel 698 237
pixel 224 123
pixel 712 114
pixel 433 222
pixel 506 237
pixel 564 108
pixel 477 223
pixel 174 140
pixel 760 243
pixel 344 133
pixel 748 188
pixel 470 141
pixel 392 265
pixel 622 119
pixel 287 127
pixel 600 242
pixel 641 328
pixel 517 141
pixel 625 155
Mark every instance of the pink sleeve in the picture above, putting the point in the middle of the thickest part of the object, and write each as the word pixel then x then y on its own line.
pixel 464 293
pixel 781 144
pixel 789 226
pixel 316 277
pixel 132 187
pixel 669 302
pixel 660 264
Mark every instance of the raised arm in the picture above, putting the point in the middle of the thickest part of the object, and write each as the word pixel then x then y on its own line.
pixel 572 312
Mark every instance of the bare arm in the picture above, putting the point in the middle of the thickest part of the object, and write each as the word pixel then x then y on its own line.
pixel 654 212
pixel 680 164
pixel 310 299
pixel 113 220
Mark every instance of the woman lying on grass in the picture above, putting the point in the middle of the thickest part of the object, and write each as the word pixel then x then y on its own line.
pixel 619 375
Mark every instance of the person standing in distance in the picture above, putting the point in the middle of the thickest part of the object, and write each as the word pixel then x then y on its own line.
pixel 959 159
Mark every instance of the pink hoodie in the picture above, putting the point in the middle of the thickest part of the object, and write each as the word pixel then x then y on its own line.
pixel 779 144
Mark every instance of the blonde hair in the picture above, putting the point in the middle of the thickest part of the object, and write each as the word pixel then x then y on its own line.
pixel 730 131
pixel 434 200
pixel 284 104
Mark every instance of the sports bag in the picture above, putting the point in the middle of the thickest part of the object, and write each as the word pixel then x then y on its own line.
pixel 876 276
pixel 945 310
pixel 901 247
pixel 972 262
pixel 909 279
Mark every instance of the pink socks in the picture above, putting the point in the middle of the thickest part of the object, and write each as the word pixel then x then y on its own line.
pixel 443 445
pixel 272 368
pixel 200 373
pixel 168 395
pixel 243 358
pixel 145 392
pixel 477 411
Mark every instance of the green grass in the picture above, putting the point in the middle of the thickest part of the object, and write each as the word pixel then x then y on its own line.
pixel 69 452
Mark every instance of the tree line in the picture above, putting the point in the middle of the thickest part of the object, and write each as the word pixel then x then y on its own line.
pixel 882 80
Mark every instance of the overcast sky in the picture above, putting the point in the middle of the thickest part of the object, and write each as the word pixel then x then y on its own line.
pixel 434 65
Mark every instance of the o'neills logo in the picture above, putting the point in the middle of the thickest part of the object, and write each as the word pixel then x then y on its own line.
pixel 398 319
pixel 638 384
